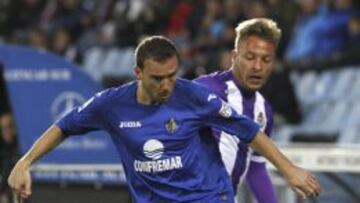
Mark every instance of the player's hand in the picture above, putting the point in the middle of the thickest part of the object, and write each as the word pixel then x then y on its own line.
pixel 303 182
pixel 20 180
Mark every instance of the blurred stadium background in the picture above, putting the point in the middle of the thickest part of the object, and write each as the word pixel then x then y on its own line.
pixel 315 89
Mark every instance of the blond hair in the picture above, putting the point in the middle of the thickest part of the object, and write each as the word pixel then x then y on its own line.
pixel 261 27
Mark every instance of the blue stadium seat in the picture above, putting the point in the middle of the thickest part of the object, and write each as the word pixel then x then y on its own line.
pixel 329 101
pixel 346 77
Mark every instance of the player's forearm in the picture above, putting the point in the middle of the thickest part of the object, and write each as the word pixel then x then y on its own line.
pixel 51 138
pixel 260 183
pixel 262 144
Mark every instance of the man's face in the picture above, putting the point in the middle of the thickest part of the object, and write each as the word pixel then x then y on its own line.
pixel 253 62
pixel 158 78
pixel 8 129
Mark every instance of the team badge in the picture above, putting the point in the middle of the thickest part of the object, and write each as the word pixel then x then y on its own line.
pixel 225 110
pixel 171 126
pixel 211 97
pixel 261 120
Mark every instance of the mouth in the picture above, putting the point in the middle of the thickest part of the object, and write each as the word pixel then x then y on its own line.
pixel 163 96
pixel 255 78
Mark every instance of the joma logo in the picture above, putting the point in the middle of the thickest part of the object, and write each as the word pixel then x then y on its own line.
pixel 129 124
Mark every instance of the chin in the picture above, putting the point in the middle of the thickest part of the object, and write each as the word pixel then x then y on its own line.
pixel 163 99
pixel 253 88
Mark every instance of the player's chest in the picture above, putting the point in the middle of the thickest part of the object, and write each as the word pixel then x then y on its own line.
pixel 251 107
pixel 136 125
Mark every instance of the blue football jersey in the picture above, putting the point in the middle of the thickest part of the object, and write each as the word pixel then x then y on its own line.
pixel 165 156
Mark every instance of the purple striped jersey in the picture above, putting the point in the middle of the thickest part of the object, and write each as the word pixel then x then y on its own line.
pixel 236 154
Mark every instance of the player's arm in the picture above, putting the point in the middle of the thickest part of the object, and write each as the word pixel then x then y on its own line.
pixel 258 178
pixel 301 181
pixel 219 114
pixel 80 120
pixel 20 179
pixel 259 182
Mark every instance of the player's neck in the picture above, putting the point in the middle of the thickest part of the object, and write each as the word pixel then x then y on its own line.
pixel 142 95
pixel 244 91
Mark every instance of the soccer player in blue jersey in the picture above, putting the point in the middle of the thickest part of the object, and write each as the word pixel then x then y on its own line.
pixel 252 63
pixel 155 124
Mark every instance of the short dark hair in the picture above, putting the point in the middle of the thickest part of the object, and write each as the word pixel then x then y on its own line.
pixel 261 27
pixel 157 48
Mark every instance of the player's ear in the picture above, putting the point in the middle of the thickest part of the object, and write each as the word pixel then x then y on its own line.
pixel 138 72
pixel 234 53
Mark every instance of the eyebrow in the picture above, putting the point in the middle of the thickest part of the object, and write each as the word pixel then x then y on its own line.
pixel 262 56
pixel 164 76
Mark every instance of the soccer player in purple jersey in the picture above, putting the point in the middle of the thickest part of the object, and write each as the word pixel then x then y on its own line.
pixel 155 124
pixel 252 63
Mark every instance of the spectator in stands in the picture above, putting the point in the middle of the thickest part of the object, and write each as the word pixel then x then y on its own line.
pixel 303 41
pixel 17 15
pixel 37 38
pixel 351 51
pixel 284 12
pixel 8 142
pixel 337 44
pixel 179 18
pixel 257 9
pixel 234 12
pixel 29 12
pixel 71 15
pixel 211 30
pixel 319 35
pixel 7 125
pixel 333 32
pixel 61 44
pixel 345 24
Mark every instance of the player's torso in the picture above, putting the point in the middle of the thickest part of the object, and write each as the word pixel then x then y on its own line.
pixel 235 154
pixel 161 133
pixel 155 138
pixel 160 145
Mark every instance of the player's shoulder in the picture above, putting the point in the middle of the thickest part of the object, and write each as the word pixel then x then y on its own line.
pixel 215 81
pixel 193 92
pixel 262 97
pixel 113 94
pixel 190 86
pixel 267 104
pixel 215 77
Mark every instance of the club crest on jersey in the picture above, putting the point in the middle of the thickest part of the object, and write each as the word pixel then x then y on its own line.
pixel 225 110
pixel 260 119
pixel 171 126
pixel 211 97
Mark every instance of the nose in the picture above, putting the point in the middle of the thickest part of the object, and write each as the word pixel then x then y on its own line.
pixel 166 84
pixel 257 64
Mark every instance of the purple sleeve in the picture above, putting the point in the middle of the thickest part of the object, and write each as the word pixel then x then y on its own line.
pixel 211 83
pixel 260 184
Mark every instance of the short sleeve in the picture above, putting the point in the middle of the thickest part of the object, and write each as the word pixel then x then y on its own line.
pixel 217 113
pixel 84 118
